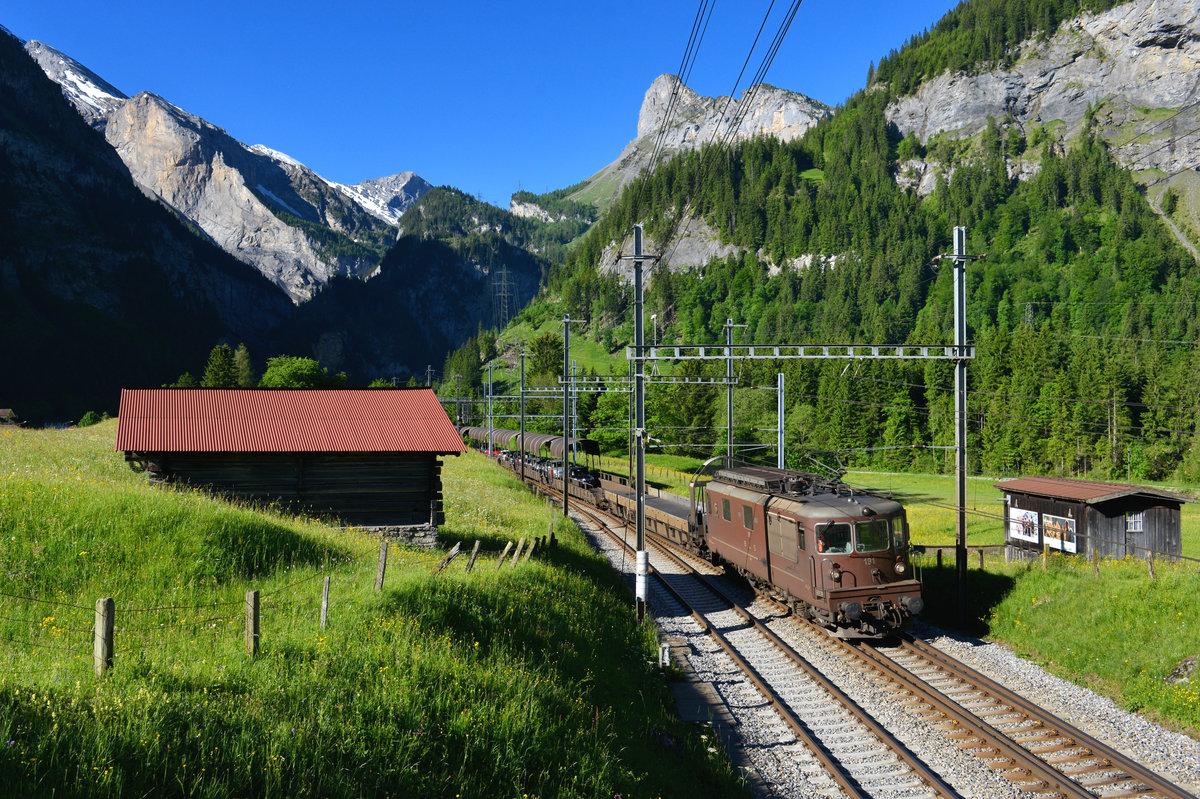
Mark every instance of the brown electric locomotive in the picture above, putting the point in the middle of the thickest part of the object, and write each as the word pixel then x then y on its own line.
pixel 835 555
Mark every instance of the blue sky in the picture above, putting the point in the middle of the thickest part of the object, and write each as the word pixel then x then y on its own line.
pixel 488 97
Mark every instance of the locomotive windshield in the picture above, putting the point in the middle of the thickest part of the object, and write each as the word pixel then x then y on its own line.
pixel 872 536
pixel 834 538
pixel 869 536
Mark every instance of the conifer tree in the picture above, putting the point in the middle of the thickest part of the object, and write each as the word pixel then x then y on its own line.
pixel 220 371
pixel 244 368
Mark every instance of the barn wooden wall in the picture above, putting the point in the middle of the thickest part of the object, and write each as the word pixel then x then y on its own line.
pixel 360 489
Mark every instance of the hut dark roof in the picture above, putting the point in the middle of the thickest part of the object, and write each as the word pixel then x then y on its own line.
pixel 1086 491
pixel 284 420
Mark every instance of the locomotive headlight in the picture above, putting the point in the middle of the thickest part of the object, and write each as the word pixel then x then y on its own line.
pixel 835 575
pixel 900 567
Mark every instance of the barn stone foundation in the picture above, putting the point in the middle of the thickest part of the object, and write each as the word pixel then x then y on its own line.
pixel 421 536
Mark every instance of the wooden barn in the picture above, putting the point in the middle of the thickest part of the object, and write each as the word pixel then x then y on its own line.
pixel 367 457
pixel 1106 520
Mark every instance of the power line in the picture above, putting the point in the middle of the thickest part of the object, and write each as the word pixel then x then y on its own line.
pixel 731 129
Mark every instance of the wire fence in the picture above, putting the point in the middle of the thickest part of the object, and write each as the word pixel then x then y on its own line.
pixel 28 622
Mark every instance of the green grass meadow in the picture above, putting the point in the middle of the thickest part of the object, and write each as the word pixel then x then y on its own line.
pixel 525 681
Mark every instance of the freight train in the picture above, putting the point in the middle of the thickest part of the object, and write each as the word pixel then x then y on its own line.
pixel 833 554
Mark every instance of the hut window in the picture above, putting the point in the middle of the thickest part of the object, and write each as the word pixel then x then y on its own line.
pixel 748 517
pixel 1133 522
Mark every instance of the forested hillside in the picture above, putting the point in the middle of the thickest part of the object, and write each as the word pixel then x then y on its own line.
pixel 450 214
pixel 1080 314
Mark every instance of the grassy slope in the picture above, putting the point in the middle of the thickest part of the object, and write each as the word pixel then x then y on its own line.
pixel 527 681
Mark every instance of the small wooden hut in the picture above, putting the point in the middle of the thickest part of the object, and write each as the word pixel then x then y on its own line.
pixel 368 457
pixel 1106 520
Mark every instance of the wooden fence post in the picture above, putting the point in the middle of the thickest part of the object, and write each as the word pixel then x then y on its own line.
pixel 1150 561
pixel 474 554
pixel 1095 563
pixel 103 649
pixel 981 560
pixel 532 546
pixel 451 555
pixel 252 623
pixel 517 554
pixel 939 558
pixel 325 604
pixel 382 568
pixel 503 555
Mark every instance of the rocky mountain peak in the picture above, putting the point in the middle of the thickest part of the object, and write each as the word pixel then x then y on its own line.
pixel 388 197
pixel 91 95
pixel 697 120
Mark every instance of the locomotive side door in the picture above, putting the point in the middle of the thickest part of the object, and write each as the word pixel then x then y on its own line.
pixel 783 543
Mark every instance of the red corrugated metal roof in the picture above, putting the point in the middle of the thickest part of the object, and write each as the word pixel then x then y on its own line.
pixel 1087 491
pixel 284 420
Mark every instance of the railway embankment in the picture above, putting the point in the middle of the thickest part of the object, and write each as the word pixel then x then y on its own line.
pixel 521 677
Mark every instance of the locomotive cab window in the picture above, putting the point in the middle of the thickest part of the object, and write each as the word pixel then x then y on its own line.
pixel 899 538
pixel 725 510
pixel 872 536
pixel 833 538
pixel 748 517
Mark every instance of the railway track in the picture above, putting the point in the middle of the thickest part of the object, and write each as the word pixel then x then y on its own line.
pixel 1035 752
pixel 1024 742
pixel 857 756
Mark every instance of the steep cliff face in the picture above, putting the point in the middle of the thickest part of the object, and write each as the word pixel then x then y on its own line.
pixel 697 121
pixel 250 204
pixel 257 204
pixel 1137 66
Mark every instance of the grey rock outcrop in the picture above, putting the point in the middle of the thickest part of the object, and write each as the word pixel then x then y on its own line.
pixel 696 121
pixel 1130 63
pixel 532 211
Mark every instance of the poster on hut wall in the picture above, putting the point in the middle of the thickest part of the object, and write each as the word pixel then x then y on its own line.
pixel 1059 532
pixel 1023 525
